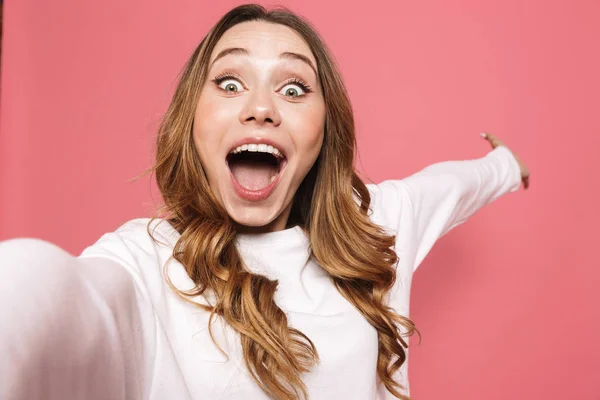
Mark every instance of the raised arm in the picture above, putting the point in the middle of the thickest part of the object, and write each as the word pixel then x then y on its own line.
pixel 70 328
pixel 428 204
pixel 446 194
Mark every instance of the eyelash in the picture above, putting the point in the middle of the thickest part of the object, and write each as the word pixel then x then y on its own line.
pixel 296 81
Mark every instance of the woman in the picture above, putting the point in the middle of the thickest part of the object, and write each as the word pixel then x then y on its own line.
pixel 273 270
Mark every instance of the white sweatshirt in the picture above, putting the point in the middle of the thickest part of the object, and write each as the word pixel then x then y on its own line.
pixel 106 325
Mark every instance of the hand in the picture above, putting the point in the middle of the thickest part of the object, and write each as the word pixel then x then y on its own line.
pixel 495 142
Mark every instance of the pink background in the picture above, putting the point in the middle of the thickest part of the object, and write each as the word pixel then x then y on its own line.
pixel 508 304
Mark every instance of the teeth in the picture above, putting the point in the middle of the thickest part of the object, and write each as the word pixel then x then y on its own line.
pixel 262 148
pixel 272 179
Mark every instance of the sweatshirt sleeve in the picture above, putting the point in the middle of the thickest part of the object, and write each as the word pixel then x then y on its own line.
pixel 71 328
pixel 425 206
pixel 86 327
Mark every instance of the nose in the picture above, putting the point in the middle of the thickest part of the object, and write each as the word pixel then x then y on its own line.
pixel 260 109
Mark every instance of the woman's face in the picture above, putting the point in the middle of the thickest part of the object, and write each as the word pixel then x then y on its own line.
pixel 259 122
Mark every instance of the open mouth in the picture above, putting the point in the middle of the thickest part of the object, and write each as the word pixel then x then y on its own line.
pixel 255 169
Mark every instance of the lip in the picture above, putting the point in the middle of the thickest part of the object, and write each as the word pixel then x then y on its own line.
pixel 260 194
pixel 259 140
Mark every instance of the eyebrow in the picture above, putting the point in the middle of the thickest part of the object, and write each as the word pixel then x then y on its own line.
pixel 288 55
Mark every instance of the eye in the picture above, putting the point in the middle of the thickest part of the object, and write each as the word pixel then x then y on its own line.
pixel 229 83
pixel 292 91
pixel 295 88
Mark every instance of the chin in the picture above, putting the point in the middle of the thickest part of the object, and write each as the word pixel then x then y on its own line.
pixel 254 216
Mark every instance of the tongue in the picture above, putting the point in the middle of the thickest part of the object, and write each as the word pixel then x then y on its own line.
pixel 253 175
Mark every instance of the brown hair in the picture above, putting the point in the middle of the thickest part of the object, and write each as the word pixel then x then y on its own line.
pixel 331 205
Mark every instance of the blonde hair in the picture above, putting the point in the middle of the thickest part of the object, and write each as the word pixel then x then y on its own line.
pixel 331 205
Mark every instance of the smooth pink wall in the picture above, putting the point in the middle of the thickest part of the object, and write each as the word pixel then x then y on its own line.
pixel 508 304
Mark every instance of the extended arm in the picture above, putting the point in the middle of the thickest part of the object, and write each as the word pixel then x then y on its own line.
pixel 70 328
pixel 446 194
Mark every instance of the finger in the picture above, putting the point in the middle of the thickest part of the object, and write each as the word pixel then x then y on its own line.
pixel 494 142
pixel 498 142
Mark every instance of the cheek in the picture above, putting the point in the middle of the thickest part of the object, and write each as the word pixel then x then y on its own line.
pixel 211 122
pixel 205 136
pixel 205 120
pixel 309 137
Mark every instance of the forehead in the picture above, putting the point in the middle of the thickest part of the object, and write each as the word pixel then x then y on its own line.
pixel 263 39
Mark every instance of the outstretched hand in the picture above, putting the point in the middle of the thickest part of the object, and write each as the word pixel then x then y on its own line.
pixel 495 142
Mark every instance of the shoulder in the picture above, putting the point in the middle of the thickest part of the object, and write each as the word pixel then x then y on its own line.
pixel 137 242
pixel 142 230
pixel 391 201
pixel 387 190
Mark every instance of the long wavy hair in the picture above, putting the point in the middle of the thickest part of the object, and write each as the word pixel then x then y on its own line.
pixel 331 205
